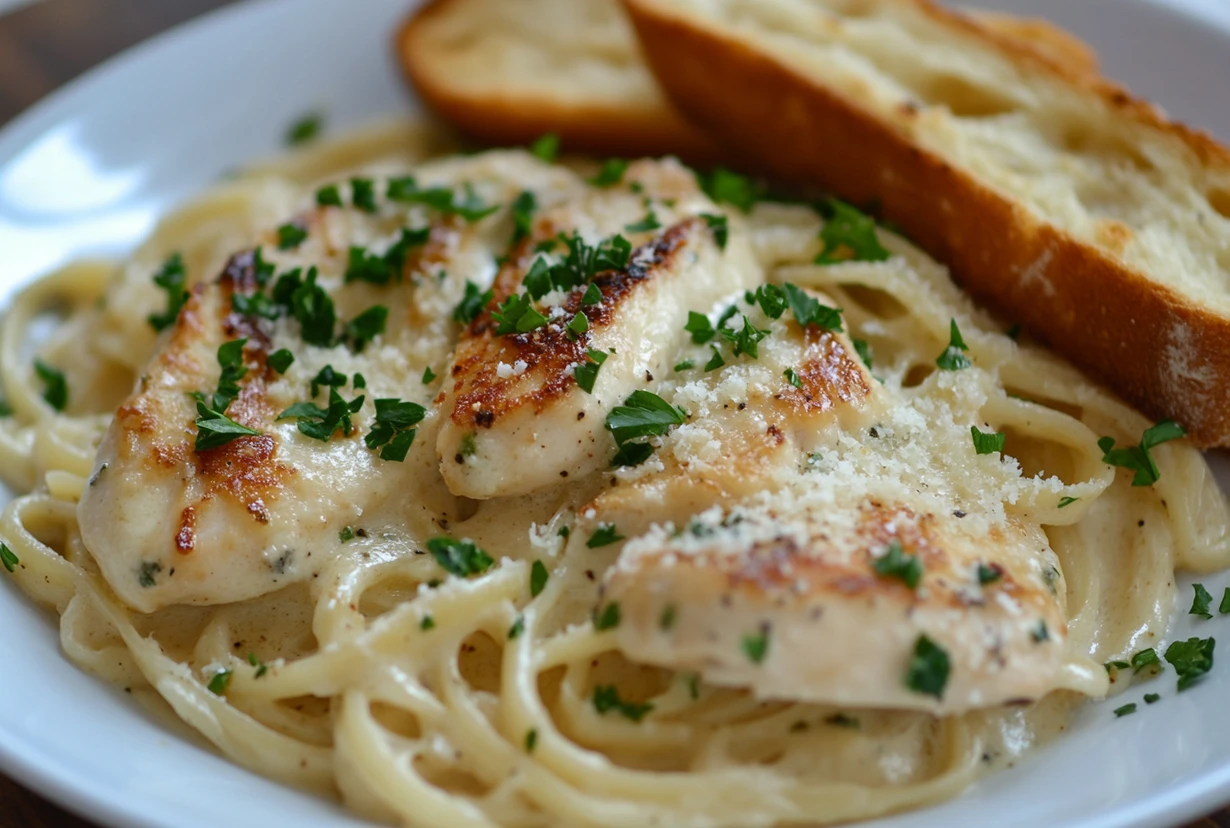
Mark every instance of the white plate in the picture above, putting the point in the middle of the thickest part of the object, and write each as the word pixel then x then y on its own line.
pixel 88 172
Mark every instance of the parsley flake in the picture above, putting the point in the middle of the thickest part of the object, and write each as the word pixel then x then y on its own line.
pixel 605 535
pixel 686 365
pixel 895 563
pixel 366 326
pixel 312 307
pixel 611 173
pixel 643 414
pixel 746 339
pixel 849 235
pixel 592 296
pixel 394 428
pixel 928 669
pixel 1191 659
pixel 1143 659
pixel 523 208
pixel 306 129
pixel 8 558
pixel 346 534
pixel 808 311
pixel 538 578
pixel 587 373
pixel 989 573
pixel 1125 710
pixel 700 327
pixel 1224 607
pixel 459 557
pixel 517 628
pixel 531 740
pixel 322 423
pixel 329 196
pixel 609 618
pixel 1201 601
pixel 578 325
pixel 291 236
pixel 261 667
pixel 863 349
pixel 429 376
pixel 1150 698
pixel 280 360
pixel 792 377
pixel 954 358
pixel 726 186
pixel 756 647
pixel 648 223
pixel 55 386
pixel 220 681
pixel 716 361
pixel 1067 501
pixel 1137 458
pixel 363 194
pixel 472 303
pixel 517 314
pixel 427 624
pixel 987 443
pixel 720 227
pixel 546 147
pixel 172 278
pixel 606 699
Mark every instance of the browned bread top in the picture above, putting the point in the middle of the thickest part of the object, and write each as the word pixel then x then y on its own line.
pixel 1053 194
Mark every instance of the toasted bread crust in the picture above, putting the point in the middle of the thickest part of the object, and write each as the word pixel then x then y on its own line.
pixel 1161 351
pixel 650 128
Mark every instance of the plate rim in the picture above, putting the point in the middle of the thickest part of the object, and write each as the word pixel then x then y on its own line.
pixel 37 769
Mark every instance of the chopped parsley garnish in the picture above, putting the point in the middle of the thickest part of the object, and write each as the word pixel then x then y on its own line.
pixel 472 304
pixel 989 573
pixel 171 278
pixel 587 373
pixel 605 535
pixel 427 624
pixel 772 300
pixel 895 563
pixel 459 557
pixel 393 432
pixel 808 311
pixel 792 377
pixel 612 173
pixel 578 325
pixel 863 349
pixel 606 699
pixel 1201 601
pixel 291 236
pixel 517 314
pixel 666 621
pixel 327 377
pixel 700 327
pixel 280 360
pixel 726 186
pixel 954 358
pixel 214 428
pixel 359 381
pixel 1137 458
pixel 643 414
pixel 306 129
pixel 579 266
pixel 345 534
pixel 1224 606
pixel 1150 698
pixel 716 361
pixel 592 296
pixel 517 628
pixel 686 365
pixel 693 682
pixel 321 423
pixel 649 222
pixel 987 443
pixel 219 682
pixel 313 309
pixel 720 226
pixel 1143 659
pixel 546 147
pixel 538 578
pixel 363 194
pixel 147 573
pixel 366 326
pixel 429 376
pixel 1040 633
pixel 261 667
pixel 442 199
pixel 523 208
pixel 928 669
pixel 55 387
pixel 842 720
pixel 1125 710
pixel 609 618
pixel 1067 501
pixel 531 740
pixel 746 339
pixel 7 558
pixel 329 196
pixel 756 647
pixel 849 235
pixel 1191 659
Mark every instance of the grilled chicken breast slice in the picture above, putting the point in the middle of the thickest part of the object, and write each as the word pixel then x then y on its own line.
pixel 755 543
pixel 519 420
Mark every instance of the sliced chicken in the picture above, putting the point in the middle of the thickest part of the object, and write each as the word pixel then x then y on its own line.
pixel 755 545
pixel 519 419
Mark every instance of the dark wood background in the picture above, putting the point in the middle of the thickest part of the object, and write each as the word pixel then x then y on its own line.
pixel 42 47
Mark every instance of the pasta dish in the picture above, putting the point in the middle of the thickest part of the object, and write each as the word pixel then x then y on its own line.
pixel 501 489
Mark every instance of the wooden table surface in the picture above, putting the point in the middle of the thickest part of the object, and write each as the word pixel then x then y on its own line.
pixel 42 47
